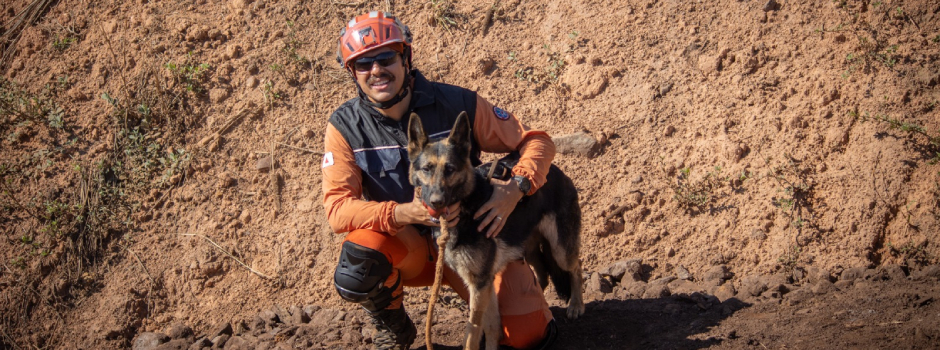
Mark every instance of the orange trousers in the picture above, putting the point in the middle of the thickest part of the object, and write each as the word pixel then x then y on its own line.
pixel 523 310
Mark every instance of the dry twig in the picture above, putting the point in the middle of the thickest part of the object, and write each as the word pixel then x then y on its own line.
pixel 229 255
pixel 301 149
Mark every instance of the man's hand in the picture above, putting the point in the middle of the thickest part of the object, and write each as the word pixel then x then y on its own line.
pixel 506 195
pixel 416 213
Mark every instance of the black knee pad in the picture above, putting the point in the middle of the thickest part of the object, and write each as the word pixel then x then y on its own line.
pixel 360 277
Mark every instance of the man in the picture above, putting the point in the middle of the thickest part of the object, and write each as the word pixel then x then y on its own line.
pixel 366 190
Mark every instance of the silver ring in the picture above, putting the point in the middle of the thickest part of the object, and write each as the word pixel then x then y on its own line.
pixel 499 217
pixel 435 220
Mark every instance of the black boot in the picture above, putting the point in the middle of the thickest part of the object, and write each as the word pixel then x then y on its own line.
pixel 393 329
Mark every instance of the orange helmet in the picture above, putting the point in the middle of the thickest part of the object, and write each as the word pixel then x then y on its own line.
pixel 371 31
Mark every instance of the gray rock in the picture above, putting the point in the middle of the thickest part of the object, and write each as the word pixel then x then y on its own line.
pixel 179 331
pixel 815 274
pixel 657 291
pixel 631 289
pixel 225 328
pixel 282 315
pixel 725 291
pixel 311 310
pixel 629 270
pixel 238 343
pixel 717 273
pixel 218 342
pixel 822 287
pixel 753 285
pixel 579 143
pixel 149 340
pixel 175 344
pixel 662 280
pixel 683 273
pixel 298 316
pixel 893 272
pixel 200 344
pixel 852 274
pixel 844 284
pixel 799 296
pixel 596 283
pixel 770 5
pixel 264 164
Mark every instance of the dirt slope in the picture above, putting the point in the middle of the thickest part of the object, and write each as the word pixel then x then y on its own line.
pixel 160 164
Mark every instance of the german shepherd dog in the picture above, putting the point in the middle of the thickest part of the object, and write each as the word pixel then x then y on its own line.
pixel 544 228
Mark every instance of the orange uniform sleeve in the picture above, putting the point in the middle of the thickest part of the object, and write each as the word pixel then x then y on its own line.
pixel 499 131
pixel 342 191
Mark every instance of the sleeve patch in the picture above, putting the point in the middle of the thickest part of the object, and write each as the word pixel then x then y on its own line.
pixel 327 160
pixel 501 114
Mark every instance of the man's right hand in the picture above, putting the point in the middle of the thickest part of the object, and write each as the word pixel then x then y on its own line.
pixel 415 212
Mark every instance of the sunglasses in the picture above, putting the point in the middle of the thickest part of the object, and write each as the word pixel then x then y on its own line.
pixel 384 59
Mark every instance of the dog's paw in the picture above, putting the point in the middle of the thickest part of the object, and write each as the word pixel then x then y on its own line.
pixel 575 310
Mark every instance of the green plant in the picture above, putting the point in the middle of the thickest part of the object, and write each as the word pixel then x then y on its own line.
pixel 936 39
pixel 62 43
pixel 696 194
pixel 912 129
pixel 190 74
pixel 797 192
pixel 789 259
pixel 443 14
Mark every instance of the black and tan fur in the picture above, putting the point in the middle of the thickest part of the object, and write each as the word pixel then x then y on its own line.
pixel 544 228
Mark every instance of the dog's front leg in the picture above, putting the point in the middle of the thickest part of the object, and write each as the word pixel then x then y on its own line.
pixel 484 319
pixel 491 322
pixel 475 326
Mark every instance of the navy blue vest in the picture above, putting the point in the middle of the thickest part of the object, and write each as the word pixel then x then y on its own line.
pixel 380 143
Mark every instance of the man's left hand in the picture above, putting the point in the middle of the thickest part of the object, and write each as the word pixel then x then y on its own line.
pixel 506 195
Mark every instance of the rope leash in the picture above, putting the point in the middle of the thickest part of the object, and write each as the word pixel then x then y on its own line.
pixel 436 287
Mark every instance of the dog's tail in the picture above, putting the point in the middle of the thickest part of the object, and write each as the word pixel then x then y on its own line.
pixel 560 278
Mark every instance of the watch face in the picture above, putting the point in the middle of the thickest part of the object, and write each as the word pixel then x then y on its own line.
pixel 524 184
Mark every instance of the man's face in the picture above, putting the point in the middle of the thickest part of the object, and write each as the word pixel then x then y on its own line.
pixel 381 83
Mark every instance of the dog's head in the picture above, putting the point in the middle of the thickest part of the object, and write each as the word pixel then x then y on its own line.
pixel 441 170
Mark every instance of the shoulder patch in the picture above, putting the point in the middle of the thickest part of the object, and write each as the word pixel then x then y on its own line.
pixel 501 114
pixel 327 159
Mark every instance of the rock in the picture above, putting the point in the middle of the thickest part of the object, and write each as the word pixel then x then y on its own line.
pixel 717 273
pixel 656 291
pixel 149 340
pixel 579 143
pixel 927 273
pixel 323 318
pixel 798 296
pixel 815 274
pixel 200 343
pixel 269 317
pixel 179 331
pixel 631 289
pixel 770 5
pixel 725 291
pixel 219 341
pixel 844 284
pixel 852 274
pixel 298 316
pixel 637 179
pixel 624 270
pixel 238 343
pixel 311 310
pixel 709 64
pixel 684 287
pixel 264 164
pixel 597 283
pixel 225 328
pixel 282 315
pixel 662 280
pixel 753 285
pixel 822 287
pixel 175 344
pixel 669 131
pixel 244 217
pixel 682 273
pixel 893 272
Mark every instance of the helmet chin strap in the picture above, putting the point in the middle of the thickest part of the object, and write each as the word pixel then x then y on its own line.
pixel 387 104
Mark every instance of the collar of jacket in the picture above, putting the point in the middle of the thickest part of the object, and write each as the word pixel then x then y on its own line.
pixel 421 95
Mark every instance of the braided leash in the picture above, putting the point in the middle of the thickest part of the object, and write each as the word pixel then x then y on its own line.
pixel 436 287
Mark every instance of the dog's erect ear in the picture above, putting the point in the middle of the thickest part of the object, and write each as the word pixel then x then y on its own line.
pixel 417 139
pixel 460 135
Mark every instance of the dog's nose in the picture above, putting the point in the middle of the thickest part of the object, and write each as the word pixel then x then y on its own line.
pixel 436 200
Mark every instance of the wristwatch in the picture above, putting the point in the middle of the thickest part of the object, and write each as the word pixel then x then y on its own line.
pixel 524 184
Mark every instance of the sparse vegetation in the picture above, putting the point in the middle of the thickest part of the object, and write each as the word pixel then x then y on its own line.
pixel 696 195
pixel 190 74
pixel 443 14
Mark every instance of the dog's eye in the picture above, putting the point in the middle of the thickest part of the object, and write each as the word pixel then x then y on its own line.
pixel 426 168
pixel 449 170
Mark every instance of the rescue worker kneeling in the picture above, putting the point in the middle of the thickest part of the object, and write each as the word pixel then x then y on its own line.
pixel 366 190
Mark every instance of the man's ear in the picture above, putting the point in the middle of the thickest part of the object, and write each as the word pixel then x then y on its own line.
pixel 417 139
pixel 460 135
